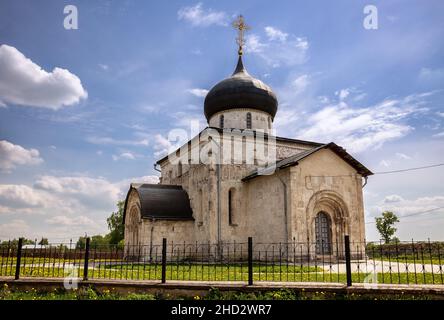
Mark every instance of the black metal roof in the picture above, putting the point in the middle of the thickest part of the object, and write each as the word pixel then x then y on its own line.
pixel 294 160
pixel 240 91
pixel 162 202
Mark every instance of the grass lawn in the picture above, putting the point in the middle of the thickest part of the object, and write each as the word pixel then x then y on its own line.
pixel 199 272
pixel 7 293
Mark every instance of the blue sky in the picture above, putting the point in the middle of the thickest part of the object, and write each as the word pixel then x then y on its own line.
pixel 134 70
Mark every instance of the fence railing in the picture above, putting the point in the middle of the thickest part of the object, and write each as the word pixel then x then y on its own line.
pixel 342 262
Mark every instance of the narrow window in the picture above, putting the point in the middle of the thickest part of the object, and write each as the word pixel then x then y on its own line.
pixel 248 120
pixel 269 123
pixel 221 121
pixel 230 207
pixel 179 169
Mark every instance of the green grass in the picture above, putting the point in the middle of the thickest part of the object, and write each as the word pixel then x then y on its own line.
pixel 198 272
pixel 7 293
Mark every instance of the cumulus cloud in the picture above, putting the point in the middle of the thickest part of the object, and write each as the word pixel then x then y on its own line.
pixel 406 207
pixel 23 82
pixel 70 205
pixel 198 92
pixel 14 229
pixel 21 196
pixel 359 129
pixel 70 221
pixel 279 48
pixel 12 155
pixel 199 17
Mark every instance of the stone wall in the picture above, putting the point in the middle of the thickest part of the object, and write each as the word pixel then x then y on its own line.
pixel 276 208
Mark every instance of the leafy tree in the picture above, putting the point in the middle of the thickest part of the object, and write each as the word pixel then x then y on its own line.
pixel 115 224
pixel 81 243
pixel 385 225
pixel 43 242
pixel 14 242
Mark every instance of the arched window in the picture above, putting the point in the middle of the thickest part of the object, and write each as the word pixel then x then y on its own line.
pixel 248 120
pixel 230 206
pixel 269 122
pixel 179 169
pixel 221 121
pixel 323 233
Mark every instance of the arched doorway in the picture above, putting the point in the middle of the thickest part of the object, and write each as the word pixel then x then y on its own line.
pixel 323 233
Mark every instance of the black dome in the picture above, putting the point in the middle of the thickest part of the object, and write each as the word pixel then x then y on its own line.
pixel 240 91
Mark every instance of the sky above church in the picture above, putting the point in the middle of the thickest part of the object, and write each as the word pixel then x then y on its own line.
pixel 83 112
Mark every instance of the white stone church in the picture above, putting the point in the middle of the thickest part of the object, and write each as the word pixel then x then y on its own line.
pixel 236 179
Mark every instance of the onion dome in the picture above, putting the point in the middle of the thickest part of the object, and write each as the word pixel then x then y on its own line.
pixel 240 91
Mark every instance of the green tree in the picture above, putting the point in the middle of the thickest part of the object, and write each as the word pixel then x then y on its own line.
pixel 385 225
pixel 43 242
pixel 14 242
pixel 115 224
pixel 81 243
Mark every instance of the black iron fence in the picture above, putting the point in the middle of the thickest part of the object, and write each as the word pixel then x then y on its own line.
pixel 342 262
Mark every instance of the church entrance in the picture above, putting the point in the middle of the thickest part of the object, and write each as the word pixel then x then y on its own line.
pixel 323 233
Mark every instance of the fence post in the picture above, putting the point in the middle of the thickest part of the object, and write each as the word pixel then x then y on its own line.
pixel 85 266
pixel 250 261
pixel 164 255
pixel 348 260
pixel 19 258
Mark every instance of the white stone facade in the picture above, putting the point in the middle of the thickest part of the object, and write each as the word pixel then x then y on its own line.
pixel 276 208
pixel 238 118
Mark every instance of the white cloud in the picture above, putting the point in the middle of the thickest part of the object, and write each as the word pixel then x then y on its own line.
pixel 23 82
pixel 162 146
pixel 21 196
pixel 393 198
pixel 439 135
pixel 279 48
pixel 104 67
pixel 276 34
pixel 359 129
pixel 72 206
pixel 385 163
pixel 70 221
pixel 405 207
pixel 343 93
pixel 199 17
pixel 198 92
pixel 300 83
pixel 403 156
pixel 14 229
pixel 12 155
pixel 116 142
pixel 124 155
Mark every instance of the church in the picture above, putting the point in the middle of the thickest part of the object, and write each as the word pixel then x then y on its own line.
pixel 237 179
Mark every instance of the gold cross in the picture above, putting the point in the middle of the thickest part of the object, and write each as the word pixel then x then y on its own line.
pixel 240 25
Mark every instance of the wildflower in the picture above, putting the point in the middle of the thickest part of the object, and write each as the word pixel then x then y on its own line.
pixel 197 298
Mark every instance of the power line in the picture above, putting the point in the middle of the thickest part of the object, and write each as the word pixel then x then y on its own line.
pixel 411 169
pixel 415 214
pixel 383 172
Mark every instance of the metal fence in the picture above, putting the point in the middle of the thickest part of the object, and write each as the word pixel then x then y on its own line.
pixel 344 262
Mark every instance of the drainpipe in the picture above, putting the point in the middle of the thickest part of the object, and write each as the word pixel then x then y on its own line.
pixel 155 168
pixel 218 174
pixel 365 182
pixel 285 207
